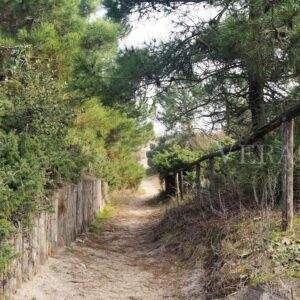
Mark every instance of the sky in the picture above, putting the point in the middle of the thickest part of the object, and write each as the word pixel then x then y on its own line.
pixel 145 31
pixel 160 28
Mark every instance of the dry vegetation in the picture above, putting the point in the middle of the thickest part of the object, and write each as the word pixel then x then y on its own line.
pixel 240 248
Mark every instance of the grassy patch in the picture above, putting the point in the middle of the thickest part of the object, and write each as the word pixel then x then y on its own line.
pixel 171 202
pixel 7 255
pixel 284 249
pixel 160 199
pixel 150 172
pixel 241 248
pixel 98 224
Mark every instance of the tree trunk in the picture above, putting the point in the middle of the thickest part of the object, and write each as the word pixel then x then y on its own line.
pixel 211 172
pixel 256 101
pixel 177 186
pixel 287 174
pixel 198 183
pixel 181 187
pixel 170 185
pixel 256 80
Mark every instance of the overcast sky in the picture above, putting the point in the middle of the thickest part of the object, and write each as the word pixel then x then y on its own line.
pixel 159 26
pixel 145 31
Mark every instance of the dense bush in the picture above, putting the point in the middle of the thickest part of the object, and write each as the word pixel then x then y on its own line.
pixel 55 123
pixel 253 174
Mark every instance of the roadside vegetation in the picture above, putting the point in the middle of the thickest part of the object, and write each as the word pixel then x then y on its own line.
pixel 73 104
pixel 219 79
pixel 98 225
pixel 60 120
pixel 243 248
pixel 234 231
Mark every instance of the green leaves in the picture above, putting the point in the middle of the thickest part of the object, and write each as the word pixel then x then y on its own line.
pixel 285 254
pixel 168 156
pixel 59 116
pixel 100 35
pixel 108 138
pixel 6 255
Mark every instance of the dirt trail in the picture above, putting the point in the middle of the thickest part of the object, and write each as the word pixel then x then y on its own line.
pixel 122 263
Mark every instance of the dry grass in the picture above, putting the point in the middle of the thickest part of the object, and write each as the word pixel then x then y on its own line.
pixel 238 247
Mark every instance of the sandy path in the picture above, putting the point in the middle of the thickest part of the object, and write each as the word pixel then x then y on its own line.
pixel 121 263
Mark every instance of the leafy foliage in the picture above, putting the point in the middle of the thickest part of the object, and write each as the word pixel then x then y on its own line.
pixel 239 69
pixel 243 60
pixel 169 157
pixel 56 121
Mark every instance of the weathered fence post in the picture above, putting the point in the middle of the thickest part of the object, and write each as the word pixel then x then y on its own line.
pixel 181 182
pixel 287 173
pixel 211 172
pixel 177 186
pixel 170 184
pixel 198 183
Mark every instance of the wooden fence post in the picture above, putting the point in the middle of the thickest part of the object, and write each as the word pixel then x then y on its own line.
pixel 211 172
pixel 177 186
pixel 198 183
pixel 170 185
pixel 287 174
pixel 181 187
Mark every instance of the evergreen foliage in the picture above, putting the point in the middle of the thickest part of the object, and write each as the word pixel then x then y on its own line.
pixel 236 70
pixel 56 121
pixel 244 59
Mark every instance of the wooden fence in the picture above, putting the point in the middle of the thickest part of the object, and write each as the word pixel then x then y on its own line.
pixel 286 120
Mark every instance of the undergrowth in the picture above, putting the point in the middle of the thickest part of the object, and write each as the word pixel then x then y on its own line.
pixel 97 226
pixel 242 248
pixel 160 199
pixel 6 255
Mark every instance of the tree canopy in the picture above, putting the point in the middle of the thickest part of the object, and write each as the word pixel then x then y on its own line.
pixel 233 72
pixel 57 122
pixel 244 59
